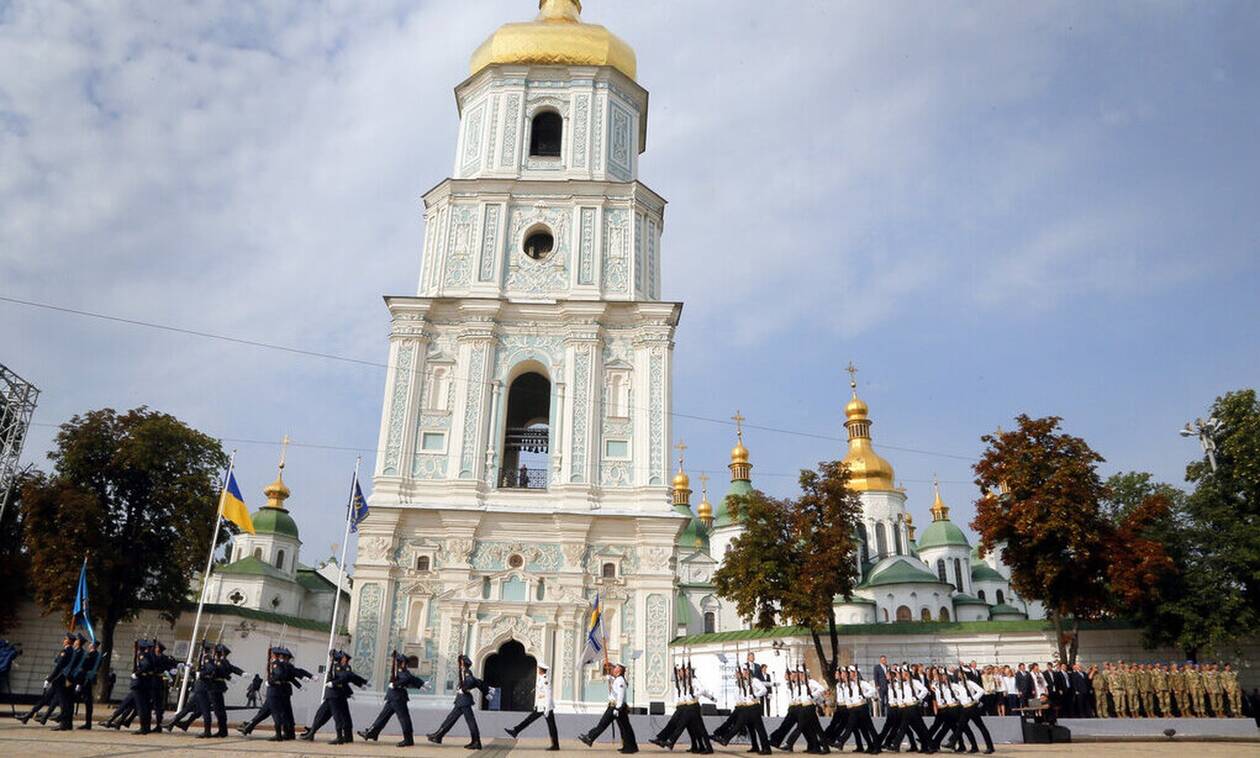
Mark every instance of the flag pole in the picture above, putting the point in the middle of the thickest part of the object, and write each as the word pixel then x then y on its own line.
pixel 205 584
pixel 341 566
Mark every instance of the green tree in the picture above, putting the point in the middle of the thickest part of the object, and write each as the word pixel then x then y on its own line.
pixel 1049 515
pixel 134 492
pixel 795 557
pixel 14 562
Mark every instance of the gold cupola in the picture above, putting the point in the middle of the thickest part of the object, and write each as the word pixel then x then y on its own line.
pixel 704 511
pixel 867 470
pixel 277 492
pixel 557 37
pixel 681 493
pixel 741 469
pixel 940 511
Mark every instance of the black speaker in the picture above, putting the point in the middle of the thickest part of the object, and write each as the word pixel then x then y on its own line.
pixel 1035 733
pixel 657 707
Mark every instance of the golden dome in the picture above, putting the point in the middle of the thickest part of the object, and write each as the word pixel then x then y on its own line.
pixel 740 468
pixel 682 481
pixel 739 453
pixel 867 469
pixel 558 36
pixel 277 492
pixel 705 510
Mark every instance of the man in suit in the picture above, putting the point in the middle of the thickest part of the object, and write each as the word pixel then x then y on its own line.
pixel 881 684
pixel 1023 683
pixel 1080 691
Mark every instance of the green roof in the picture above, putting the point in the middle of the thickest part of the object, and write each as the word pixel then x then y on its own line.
pixel 901 572
pixel 268 520
pixel 939 628
pixel 964 599
pixel 1002 609
pixel 855 600
pixel 251 566
pixel 942 533
pixel 313 582
pixel 693 536
pixel 723 515
pixel 983 572
pixel 250 613
pixel 682 610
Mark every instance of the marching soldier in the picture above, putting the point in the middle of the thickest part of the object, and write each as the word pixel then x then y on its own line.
pixel 65 686
pixel 85 679
pixel 337 694
pixel 50 694
pixel 544 707
pixel 1119 684
pixel 616 710
pixel 1194 680
pixel 396 698
pixel 199 701
pixel 1229 681
pixel 466 685
pixel 1159 680
pixel 224 670
pixel 1180 689
pixel 1146 689
pixel 282 677
pixel 1215 693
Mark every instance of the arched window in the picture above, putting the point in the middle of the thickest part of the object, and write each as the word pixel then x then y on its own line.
pixel 485 588
pixel 980 594
pixel 280 559
pixel 925 615
pixel 885 610
pixel 940 570
pixel 438 383
pixel 422 563
pixel 258 553
pixel 710 622
pixel 540 592
pixel 545 134
pixel 896 530
pixel 958 576
pixel 609 571
pixel 866 543
pixel 527 435
pixel 619 394
pixel 1000 597
pixel 944 614
pixel 881 540
pixel 904 614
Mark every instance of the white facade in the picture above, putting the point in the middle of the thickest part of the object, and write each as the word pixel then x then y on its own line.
pixel 526 423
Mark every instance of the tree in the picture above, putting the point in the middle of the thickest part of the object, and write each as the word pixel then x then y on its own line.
pixel 795 557
pixel 1049 516
pixel 14 561
pixel 136 494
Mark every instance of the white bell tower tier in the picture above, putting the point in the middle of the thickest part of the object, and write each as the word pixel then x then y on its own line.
pixel 526 423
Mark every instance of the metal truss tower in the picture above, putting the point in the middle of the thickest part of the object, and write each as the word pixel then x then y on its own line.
pixel 17 403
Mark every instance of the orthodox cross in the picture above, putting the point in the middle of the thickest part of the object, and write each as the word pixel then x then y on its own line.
pixel 284 449
pixel 681 447
pixel 739 419
pixel 704 485
pixel 852 374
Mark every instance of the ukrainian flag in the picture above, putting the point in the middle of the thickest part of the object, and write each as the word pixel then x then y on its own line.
pixel 232 506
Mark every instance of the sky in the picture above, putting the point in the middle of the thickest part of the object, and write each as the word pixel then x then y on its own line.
pixel 990 208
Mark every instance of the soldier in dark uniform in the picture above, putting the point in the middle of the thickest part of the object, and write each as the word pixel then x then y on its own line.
pixel 466 684
pixel 64 688
pixel 85 680
pixel 336 694
pixel 224 670
pixel 396 702
pixel 142 685
pixel 159 683
pixel 50 693
pixel 282 677
pixel 198 702
pixel 251 693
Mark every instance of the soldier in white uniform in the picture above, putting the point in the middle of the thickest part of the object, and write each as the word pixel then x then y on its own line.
pixel 969 694
pixel 544 707
pixel 616 710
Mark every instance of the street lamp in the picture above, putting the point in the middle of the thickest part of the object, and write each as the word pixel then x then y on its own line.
pixel 1204 431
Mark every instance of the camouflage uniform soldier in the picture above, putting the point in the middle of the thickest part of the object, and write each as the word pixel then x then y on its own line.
pixel 1216 693
pixel 1131 689
pixel 1159 680
pixel 1194 681
pixel 1229 681
pixel 1146 689
pixel 1118 681
pixel 1181 692
pixel 1100 690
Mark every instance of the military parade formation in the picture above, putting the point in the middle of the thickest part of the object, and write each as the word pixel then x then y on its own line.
pixel 926 708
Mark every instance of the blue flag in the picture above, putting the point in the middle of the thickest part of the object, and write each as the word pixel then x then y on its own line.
pixel 358 507
pixel 594 635
pixel 81 613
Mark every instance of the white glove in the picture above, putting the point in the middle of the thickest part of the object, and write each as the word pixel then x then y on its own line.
pixel 45 684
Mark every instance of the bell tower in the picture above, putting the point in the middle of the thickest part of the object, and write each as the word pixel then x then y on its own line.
pixel 527 404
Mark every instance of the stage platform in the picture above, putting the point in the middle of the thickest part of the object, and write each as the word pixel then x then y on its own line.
pixel 1084 730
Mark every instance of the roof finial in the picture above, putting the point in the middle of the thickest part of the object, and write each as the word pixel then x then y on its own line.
pixel 681 494
pixel 705 510
pixel 559 10
pixel 681 447
pixel 940 511
pixel 739 420
pixel 852 377
pixel 284 450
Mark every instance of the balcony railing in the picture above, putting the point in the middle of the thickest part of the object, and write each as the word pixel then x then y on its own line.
pixel 524 478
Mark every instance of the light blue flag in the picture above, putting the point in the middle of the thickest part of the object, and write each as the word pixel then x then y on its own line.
pixel 81 613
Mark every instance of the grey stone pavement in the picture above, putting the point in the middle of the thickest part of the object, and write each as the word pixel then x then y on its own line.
pixel 20 741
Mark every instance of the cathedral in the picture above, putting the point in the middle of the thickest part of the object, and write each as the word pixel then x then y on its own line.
pixel 525 434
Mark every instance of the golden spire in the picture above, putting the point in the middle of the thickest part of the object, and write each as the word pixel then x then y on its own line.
pixel 682 482
pixel 940 511
pixel 867 470
pixel 705 510
pixel 741 469
pixel 910 526
pixel 277 492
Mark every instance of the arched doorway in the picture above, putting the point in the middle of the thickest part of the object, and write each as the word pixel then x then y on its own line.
pixel 512 671
pixel 527 433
